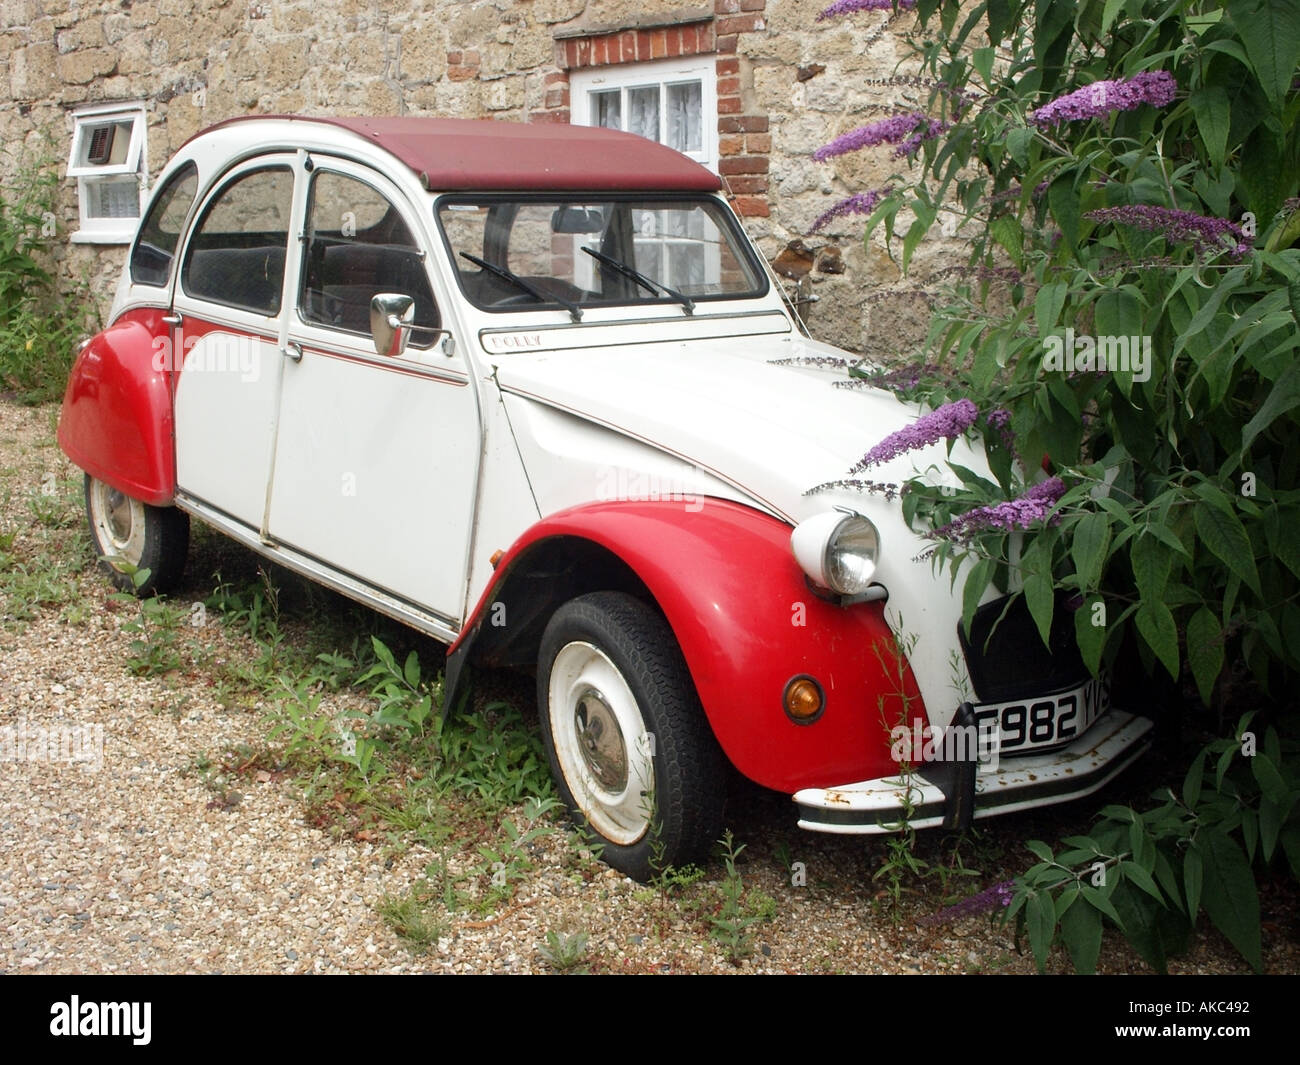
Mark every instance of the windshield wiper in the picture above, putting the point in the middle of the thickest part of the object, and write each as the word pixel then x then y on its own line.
pixel 651 285
pixel 575 312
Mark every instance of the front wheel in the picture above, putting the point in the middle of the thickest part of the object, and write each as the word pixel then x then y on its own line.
pixel 630 748
pixel 125 530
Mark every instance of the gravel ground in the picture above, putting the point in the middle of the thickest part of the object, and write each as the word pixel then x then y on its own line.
pixel 138 865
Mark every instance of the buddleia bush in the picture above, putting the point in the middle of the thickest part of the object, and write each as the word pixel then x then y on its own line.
pixel 1125 329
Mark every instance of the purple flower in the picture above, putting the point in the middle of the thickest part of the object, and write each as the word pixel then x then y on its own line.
pixel 1206 235
pixel 999 420
pixel 1154 87
pixel 860 203
pixel 943 423
pixel 885 131
pixel 1019 513
pixel 885 488
pixel 824 361
pixel 934 128
pixel 989 900
pixel 848 7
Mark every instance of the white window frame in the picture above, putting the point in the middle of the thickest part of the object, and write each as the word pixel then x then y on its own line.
pixel 583 84
pixel 93 228
pixel 663 72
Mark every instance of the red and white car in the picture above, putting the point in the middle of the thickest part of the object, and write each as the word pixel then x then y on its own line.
pixel 517 386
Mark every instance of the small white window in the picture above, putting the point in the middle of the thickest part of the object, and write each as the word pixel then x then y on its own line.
pixel 108 162
pixel 674 102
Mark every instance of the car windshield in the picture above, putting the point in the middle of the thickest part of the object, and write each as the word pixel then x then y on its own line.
pixel 517 253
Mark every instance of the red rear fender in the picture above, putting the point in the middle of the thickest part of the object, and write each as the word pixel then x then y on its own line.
pixel 116 422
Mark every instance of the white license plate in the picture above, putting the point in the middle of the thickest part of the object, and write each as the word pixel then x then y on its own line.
pixel 1045 721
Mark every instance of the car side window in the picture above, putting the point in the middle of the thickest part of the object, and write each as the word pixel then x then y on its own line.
pixel 358 246
pixel 151 258
pixel 236 255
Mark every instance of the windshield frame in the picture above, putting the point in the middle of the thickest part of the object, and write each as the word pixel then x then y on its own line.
pixel 720 213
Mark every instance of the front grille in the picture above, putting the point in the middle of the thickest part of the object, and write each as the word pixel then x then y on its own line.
pixel 1006 658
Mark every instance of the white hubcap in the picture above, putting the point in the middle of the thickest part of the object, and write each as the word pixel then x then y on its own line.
pixel 601 742
pixel 119 523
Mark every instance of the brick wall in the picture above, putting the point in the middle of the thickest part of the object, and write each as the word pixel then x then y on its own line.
pixel 785 84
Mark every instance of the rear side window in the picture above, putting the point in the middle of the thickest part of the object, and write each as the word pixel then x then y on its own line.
pixel 236 255
pixel 151 258
pixel 357 247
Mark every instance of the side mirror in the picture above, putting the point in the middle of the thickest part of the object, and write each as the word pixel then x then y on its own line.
pixel 391 317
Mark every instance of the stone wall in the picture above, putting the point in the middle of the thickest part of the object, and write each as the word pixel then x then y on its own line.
pixel 786 84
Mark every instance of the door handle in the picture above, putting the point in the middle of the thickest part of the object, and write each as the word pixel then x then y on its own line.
pixel 292 351
pixel 172 319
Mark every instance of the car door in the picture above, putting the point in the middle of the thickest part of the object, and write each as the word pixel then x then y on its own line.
pixel 376 457
pixel 227 336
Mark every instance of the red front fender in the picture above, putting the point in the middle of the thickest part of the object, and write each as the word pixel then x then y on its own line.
pixel 747 623
pixel 116 422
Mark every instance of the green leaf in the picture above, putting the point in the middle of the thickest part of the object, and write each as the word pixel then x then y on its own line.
pixel 1285 541
pixel 1231 898
pixel 1019 139
pixel 411 671
pixel 1040 599
pixel 1153 931
pixel 1271 33
pixel 1002 16
pixel 1090 638
pixel 982 60
pixel 1102 902
pixel 1081 934
pixel 1211 107
pixel 1047 306
pixel 1088 545
pixel 1221 531
pixel 1067 898
pixel 1205 651
pixel 1193 878
pixel 1156 625
pixel 1109 13
pixel 1118 314
pixel 1291 847
pixel 1270 824
pixel 1282 397
pixel 1039 850
pixel 1142 879
pixel 1269 779
pixel 1151 564
pixel 976 584
pixel 1195 779
pixel 1005 229
pixel 1063 202
pixel 1040 920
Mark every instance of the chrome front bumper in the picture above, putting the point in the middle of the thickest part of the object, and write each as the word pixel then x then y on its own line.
pixel 1109 747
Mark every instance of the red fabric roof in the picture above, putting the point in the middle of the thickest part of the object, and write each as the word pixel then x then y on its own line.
pixel 456 155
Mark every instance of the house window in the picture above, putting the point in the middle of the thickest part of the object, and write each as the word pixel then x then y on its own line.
pixel 108 163
pixel 673 102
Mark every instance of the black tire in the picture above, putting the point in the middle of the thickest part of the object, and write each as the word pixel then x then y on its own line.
pixel 615 668
pixel 147 537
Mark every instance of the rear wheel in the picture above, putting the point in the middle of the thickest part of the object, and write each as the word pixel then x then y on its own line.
pixel 125 530
pixel 630 749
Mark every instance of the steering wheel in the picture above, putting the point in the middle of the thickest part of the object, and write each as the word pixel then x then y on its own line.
pixel 515 301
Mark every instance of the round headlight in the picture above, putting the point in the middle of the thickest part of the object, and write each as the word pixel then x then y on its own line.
pixel 838 551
